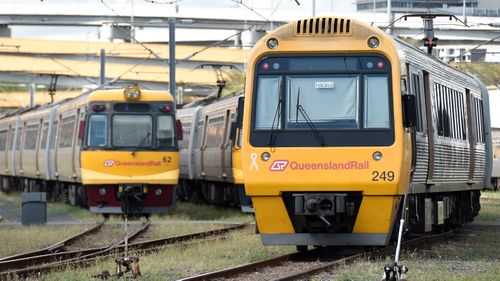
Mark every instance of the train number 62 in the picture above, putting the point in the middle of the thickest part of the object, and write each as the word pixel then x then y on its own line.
pixel 383 176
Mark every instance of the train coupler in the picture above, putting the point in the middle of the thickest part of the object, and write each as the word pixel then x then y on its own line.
pixel 395 272
pixel 130 264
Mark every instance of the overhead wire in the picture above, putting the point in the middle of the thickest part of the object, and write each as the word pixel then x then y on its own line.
pixel 127 34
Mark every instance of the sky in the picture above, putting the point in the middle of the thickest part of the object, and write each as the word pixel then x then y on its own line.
pixel 273 10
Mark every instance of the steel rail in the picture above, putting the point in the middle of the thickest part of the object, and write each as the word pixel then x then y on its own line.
pixel 24 266
pixel 233 272
pixel 90 258
pixel 52 248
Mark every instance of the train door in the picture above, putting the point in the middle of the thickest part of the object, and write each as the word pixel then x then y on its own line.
pixel 212 152
pixel 3 151
pixel 80 133
pixel 54 150
pixel 18 150
pixel 11 152
pixel 430 116
pixel 203 147
pixel 226 148
pixel 421 139
pixel 8 147
pixel 42 149
pixel 65 145
pixel 38 140
pixel 470 130
pixel 50 156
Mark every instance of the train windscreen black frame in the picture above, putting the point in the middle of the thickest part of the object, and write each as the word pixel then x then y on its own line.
pixel 158 133
pixel 343 100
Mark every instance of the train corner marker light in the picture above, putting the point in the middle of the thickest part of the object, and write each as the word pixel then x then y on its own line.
pixel 165 108
pixel 272 43
pixel 132 93
pixel 158 191
pixel 102 191
pixel 377 155
pixel 265 156
pixel 373 42
pixel 98 107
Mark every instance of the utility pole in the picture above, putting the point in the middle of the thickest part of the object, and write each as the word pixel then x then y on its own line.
pixel 102 76
pixel 313 8
pixel 171 58
pixel 389 15
pixel 32 95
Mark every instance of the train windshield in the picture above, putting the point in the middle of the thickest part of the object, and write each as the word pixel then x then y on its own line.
pixel 132 130
pixel 330 96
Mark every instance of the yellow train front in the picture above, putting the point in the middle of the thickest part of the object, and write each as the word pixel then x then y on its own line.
pixel 129 159
pixel 327 154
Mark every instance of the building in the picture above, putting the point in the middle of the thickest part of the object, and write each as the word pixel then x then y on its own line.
pixel 478 8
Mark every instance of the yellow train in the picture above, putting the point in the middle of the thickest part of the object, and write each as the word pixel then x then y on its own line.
pixel 111 150
pixel 341 120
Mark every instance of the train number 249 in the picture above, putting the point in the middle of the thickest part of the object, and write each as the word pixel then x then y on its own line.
pixel 383 176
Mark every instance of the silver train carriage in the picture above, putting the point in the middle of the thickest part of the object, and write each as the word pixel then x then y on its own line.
pixel 210 166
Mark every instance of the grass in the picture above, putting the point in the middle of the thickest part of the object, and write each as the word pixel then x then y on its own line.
pixel 16 240
pixel 490 211
pixel 490 194
pixel 178 261
pixel 474 255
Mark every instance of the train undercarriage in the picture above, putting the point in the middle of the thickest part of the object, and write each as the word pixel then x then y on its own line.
pixel 136 199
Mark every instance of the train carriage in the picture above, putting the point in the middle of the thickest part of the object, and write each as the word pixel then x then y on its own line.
pixel 210 168
pixel 341 121
pixel 114 151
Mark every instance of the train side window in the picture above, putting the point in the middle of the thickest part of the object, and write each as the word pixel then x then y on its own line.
pixel 98 131
pixel 55 134
pixel 3 140
pixel 66 134
pixel 415 82
pixel 43 140
pixel 19 137
pixel 11 138
pixel 30 137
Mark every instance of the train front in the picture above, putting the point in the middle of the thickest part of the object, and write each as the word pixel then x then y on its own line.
pixel 130 159
pixel 326 159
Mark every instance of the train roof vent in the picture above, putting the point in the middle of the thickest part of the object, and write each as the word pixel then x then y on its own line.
pixel 323 26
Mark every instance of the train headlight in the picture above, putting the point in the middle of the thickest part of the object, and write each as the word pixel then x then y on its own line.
pixel 377 155
pixel 158 191
pixel 132 93
pixel 373 42
pixel 102 191
pixel 272 43
pixel 265 156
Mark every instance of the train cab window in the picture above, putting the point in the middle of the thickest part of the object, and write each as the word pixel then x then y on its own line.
pixel 268 105
pixel 376 105
pixel 132 131
pixel 312 98
pixel 98 131
pixel 165 131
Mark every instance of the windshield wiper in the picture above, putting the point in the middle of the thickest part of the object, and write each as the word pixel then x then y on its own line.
pixel 277 116
pixel 308 120
pixel 134 150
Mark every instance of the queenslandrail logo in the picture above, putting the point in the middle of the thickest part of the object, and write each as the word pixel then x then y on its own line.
pixel 110 163
pixel 281 165
pixel 278 165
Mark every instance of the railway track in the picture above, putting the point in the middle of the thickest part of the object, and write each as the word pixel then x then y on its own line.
pixel 38 264
pixel 298 265
pixel 57 247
